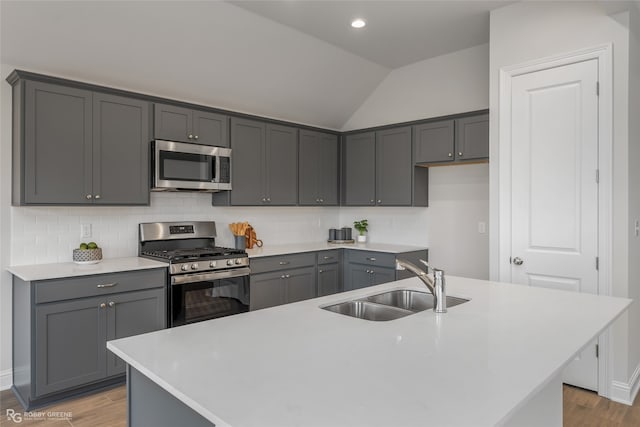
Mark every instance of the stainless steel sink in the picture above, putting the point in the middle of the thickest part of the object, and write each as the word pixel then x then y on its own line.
pixel 390 305
pixel 411 300
pixel 368 310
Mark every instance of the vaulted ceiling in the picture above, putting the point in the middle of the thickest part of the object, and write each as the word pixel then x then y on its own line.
pixel 252 57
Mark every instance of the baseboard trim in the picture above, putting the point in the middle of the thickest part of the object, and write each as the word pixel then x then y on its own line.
pixel 626 392
pixel 6 379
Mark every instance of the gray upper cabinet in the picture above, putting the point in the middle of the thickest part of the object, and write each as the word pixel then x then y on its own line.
pixel 79 147
pixel 120 150
pixel 265 165
pixel 433 142
pixel 393 167
pixel 472 138
pixel 359 169
pixel 378 170
pixel 57 151
pixel 318 169
pixel 182 124
pixel 456 140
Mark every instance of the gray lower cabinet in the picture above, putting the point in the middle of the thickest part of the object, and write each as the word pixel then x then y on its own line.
pixel 265 165
pixel 182 124
pixel 318 169
pixel 363 275
pixel 456 140
pixel 63 326
pixel 76 147
pixel 378 170
pixel 368 268
pixel 329 279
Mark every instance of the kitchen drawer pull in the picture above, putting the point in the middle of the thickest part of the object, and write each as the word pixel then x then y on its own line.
pixel 107 285
pixel 111 303
pixel 327 257
pixel 371 259
pixel 320 271
pixel 103 305
pixel 283 262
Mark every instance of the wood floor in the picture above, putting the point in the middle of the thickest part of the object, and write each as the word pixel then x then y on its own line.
pixel 581 409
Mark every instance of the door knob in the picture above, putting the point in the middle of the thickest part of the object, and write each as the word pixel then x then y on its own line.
pixel 518 261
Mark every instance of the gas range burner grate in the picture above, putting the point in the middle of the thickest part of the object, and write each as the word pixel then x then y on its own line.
pixel 177 254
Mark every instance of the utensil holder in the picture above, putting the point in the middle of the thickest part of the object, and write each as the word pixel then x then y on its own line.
pixel 241 242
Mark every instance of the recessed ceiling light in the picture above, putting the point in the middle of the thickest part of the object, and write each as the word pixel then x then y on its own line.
pixel 358 23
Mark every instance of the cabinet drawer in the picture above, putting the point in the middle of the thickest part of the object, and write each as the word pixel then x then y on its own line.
pixel 100 284
pixel 280 262
pixel 329 257
pixel 382 259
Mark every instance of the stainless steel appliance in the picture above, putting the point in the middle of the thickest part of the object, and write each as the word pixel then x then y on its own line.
pixel 179 166
pixel 205 281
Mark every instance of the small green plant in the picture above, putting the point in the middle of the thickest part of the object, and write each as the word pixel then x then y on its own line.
pixel 361 226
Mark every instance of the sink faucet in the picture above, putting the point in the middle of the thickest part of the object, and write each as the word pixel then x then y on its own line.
pixel 435 285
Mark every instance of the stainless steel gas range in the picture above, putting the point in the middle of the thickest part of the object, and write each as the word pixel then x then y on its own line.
pixel 205 281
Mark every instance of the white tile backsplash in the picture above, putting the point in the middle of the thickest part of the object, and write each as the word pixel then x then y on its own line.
pixel 49 234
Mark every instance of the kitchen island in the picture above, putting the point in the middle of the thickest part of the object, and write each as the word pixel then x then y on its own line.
pixel 495 360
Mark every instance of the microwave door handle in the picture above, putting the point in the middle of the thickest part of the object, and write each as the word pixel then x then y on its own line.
pixel 216 172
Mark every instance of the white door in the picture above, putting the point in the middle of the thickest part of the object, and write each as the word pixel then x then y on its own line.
pixel 554 188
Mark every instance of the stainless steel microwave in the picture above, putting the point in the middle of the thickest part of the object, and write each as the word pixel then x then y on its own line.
pixel 179 166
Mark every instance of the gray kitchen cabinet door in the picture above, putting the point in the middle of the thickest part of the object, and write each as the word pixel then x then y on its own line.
pixel 281 158
pixel 173 123
pixel 267 290
pixel 247 171
pixel 133 313
pixel 57 144
pixel 433 142
pixel 300 284
pixel 359 169
pixel 357 276
pixel 329 279
pixel 210 128
pixel 120 150
pixel 70 339
pixel 394 168
pixel 472 138
pixel 318 169
pixel 382 275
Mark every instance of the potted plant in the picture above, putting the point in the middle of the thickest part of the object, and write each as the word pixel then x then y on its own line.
pixel 362 227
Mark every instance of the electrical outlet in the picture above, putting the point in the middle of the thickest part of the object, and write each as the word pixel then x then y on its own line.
pixel 637 228
pixel 85 231
pixel 482 227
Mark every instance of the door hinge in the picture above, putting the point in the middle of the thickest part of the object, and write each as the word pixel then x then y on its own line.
pixel 597 350
pixel 597 176
pixel 510 260
pixel 597 263
pixel 597 88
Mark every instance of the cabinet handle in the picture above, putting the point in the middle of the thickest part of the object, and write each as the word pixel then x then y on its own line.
pixel 371 259
pixel 379 201
pixel 327 257
pixel 89 196
pixel 107 285
pixel 190 136
pixel 320 271
pixel 195 137
pixel 450 154
pixel 264 200
pixel 269 199
pixel 372 272
pixel 371 201
pixel 288 275
pixel 283 262
pixel 321 200
pixel 97 196
pixel 459 153
pixel 112 304
pixel 103 305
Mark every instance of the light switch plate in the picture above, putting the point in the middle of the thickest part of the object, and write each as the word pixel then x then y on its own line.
pixel 85 231
pixel 482 227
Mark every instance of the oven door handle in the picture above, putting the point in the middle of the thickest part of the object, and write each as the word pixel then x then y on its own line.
pixel 214 275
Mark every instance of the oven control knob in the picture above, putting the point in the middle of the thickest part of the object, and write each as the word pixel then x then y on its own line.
pixel 184 267
pixel 194 266
pixel 212 264
pixel 230 262
pixel 238 261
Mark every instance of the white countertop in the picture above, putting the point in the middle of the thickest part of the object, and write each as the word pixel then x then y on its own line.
pixel 321 246
pixel 70 269
pixel 297 364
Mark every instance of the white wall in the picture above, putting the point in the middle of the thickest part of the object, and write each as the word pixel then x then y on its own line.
pixel 458 195
pixel 527 31
pixel 634 183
